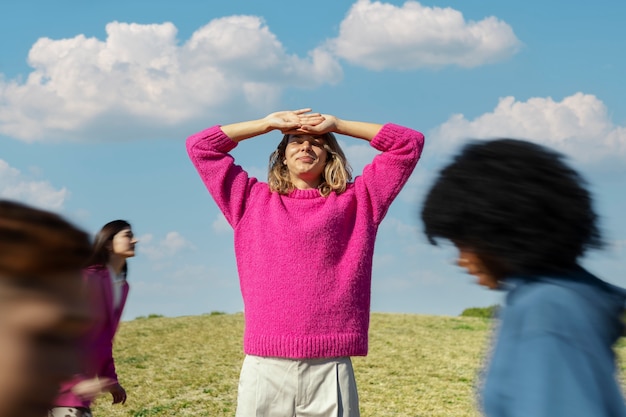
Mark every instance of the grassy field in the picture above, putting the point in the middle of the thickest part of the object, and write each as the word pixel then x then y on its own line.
pixel 417 366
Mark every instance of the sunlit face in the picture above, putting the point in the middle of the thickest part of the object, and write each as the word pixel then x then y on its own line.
pixel 39 333
pixel 476 266
pixel 123 243
pixel 305 157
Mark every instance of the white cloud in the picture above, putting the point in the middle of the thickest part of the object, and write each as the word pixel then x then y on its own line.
pixel 170 245
pixel 15 185
pixel 220 225
pixel 380 36
pixel 141 79
pixel 578 125
pixel 413 191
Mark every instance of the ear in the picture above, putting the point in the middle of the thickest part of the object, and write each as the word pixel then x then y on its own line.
pixel 284 162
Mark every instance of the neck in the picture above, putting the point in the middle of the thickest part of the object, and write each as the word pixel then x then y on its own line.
pixel 117 263
pixel 305 183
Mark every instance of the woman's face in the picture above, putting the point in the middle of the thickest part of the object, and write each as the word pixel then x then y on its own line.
pixel 305 157
pixel 123 243
pixel 478 267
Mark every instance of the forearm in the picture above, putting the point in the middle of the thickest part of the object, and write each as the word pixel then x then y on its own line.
pixel 245 130
pixel 360 130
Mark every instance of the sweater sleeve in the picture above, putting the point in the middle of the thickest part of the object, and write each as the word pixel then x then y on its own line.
pixel 103 329
pixel 385 176
pixel 228 183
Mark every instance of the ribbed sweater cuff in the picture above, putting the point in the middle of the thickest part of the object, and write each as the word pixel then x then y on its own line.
pixel 306 347
pixel 215 136
pixel 387 137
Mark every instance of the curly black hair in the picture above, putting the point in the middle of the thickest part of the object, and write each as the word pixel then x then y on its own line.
pixel 516 203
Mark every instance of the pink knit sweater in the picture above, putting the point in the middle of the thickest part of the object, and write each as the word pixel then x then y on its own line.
pixel 305 261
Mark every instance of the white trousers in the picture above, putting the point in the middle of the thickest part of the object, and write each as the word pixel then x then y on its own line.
pixel 278 387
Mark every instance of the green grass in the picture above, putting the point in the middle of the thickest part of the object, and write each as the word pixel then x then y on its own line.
pixel 418 366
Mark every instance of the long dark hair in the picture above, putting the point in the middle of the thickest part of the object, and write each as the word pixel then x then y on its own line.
pixel 100 254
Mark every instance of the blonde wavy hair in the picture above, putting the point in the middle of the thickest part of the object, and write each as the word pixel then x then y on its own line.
pixel 336 176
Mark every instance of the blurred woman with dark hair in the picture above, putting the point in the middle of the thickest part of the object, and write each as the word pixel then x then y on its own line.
pixel 521 218
pixel 108 289
pixel 42 315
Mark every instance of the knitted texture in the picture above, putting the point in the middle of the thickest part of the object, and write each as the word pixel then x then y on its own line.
pixel 305 261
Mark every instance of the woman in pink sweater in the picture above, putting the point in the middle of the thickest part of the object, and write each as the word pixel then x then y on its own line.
pixel 107 289
pixel 304 243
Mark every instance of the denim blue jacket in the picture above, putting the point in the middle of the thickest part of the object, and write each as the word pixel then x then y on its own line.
pixel 552 354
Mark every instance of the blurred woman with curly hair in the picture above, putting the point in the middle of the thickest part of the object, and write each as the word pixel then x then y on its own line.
pixel 521 219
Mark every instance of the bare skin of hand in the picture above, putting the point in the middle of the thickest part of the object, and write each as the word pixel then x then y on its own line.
pixel 118 393
pixel 326 123
pixel 91 388
pixel 289 121
pixel 321 124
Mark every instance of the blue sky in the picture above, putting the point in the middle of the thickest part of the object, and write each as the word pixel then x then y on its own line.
pixel 97 99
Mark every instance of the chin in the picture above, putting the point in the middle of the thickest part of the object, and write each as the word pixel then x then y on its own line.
pixel 486 282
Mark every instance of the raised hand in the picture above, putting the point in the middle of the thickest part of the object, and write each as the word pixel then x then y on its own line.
pixel 332 124
pixel 326 125
pixel 287 121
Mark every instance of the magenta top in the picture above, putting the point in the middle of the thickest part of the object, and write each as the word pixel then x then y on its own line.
pixel 305 261
pixel 97 345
